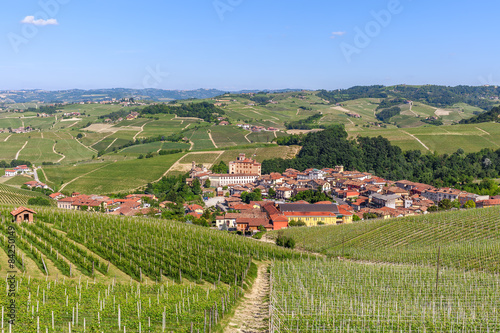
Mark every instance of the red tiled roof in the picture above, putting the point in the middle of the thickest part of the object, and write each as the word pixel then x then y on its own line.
pixel 21 209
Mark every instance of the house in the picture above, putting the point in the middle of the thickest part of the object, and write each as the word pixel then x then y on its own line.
pixel 36 184
pixel 283 193
pixel 77 202
pixel 464 197
pixel 224 123
pixel 194 209
pixel 320 184
pixel 22 214
pixel 488 203
pixel 387 200
pixel 315 214
pixel 443 193
pixel 56 196
pixel 18 170
pixel 132 115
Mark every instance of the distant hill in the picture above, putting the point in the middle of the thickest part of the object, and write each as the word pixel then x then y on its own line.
pixel 78 95
pixel 486 117
pixel 483 97
pixel 96 95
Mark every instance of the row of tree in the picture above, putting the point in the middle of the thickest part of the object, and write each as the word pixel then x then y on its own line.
pixel 204 110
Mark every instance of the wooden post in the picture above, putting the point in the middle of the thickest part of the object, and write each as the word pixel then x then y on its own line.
pixel 437 269
pixel 45 267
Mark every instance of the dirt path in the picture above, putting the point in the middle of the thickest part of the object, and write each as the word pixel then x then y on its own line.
pixel 246 137
pixel 72 124
pixel 88 147
pixel 253 313
pixel 413 136
pixel 411 106
pixel 44 175
pixel 479 129
pixel 111 144
pixel 142 129
pixel 210 136
pixel 55 152
pixel 7 138
pixel 17 155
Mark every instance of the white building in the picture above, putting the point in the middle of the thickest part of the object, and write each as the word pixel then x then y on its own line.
pixel 222 180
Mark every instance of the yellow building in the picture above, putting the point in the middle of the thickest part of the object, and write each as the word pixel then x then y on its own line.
pixel 316 214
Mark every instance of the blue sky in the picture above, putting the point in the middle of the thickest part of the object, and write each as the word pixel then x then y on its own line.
pixel 243 44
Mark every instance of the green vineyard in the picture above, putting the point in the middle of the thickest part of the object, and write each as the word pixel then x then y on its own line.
pixel 336 296
pixel 181 277
pixel 13 196
pixel 467 239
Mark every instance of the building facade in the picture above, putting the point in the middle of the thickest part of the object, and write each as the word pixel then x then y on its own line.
pixel 244 165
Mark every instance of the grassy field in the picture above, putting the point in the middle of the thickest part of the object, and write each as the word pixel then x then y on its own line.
pixel 17 180
pixel 226 136
pixel 260 154
pixel 442 139
pixel 201 139
pixel 122 175
pixel 38 151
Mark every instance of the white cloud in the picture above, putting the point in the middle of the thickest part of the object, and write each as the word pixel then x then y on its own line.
pixel 336 34
pixel 31 20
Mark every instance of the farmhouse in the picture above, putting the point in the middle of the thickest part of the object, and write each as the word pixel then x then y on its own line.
pixel 23 214
pixel 36 184
pixel 18 170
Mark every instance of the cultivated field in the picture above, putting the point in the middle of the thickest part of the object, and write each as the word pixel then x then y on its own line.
pixel 82 271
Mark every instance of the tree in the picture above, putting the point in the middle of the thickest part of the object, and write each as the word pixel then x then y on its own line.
pixel 207 183
pixel 285 241
pixel 296 223
pixel 433 209
pixel 470 204
pixel 271 192
pixel 445 204
pixel 100 153
pixel 356 218
pixel 220 168
pixel 79 136
pixel 39 201
pixel 196 186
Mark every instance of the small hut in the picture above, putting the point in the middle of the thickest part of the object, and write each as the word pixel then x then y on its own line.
pixel 23 214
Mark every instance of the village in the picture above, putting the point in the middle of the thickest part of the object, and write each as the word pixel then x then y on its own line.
pixel 352 196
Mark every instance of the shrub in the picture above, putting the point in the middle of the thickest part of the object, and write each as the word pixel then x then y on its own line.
pixel 39 201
